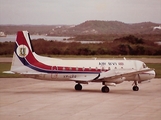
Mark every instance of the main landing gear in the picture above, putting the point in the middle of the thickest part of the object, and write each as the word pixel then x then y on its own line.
pixel 105 89
pixel 78 87
pixel 135 87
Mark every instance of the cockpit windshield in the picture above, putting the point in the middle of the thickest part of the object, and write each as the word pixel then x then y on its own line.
pixel 144 65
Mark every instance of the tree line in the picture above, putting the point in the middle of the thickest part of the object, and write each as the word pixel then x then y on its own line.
pixel 128 45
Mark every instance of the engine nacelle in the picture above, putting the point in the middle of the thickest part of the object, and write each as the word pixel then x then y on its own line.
pixel 119 80
pixel 113 82
pixel 109 84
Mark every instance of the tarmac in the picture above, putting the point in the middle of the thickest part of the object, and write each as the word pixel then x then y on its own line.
pixel 30 99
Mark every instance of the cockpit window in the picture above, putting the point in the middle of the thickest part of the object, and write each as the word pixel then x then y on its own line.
pixel 144 65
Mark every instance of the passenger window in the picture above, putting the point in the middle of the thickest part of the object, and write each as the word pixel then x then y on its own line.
pixel 76 68
pixel 96 68
pixel 83 68
pixel 103 68
pixel 89 68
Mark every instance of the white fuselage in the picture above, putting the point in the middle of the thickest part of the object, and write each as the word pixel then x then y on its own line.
pixel 77 68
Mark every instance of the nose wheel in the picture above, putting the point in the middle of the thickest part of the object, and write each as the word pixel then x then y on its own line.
pixel 135 87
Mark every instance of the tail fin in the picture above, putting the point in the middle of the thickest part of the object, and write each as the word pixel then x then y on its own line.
pixel 25 60
pixel 23 47
pixel 23 42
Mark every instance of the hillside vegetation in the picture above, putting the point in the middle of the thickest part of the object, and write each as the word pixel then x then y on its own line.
pixel 128 45
pixel 93 27
pixel 118 38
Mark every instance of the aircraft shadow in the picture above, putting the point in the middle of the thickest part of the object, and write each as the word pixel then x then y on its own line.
pixel 71 90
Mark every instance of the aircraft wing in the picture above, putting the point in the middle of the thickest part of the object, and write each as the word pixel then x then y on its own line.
pixel 115 74
pixel 109 75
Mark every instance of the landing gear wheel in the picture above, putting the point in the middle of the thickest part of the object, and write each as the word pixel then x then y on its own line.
pixel 78 87
pixel 105 89
pixel 135 88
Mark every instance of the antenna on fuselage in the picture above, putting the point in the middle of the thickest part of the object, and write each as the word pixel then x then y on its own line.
pixel 95 58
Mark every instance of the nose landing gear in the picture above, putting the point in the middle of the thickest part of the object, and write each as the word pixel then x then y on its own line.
pixel 135 87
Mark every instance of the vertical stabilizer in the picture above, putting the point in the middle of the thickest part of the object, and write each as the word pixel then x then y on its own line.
pixel 23 48
pixel 25 60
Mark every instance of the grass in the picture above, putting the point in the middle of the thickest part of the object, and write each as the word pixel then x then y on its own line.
pixel 5 66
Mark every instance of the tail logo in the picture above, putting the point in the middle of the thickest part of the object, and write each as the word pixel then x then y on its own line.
pixel 22 51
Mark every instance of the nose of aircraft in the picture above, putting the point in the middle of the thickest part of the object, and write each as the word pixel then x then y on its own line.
pixel 147 76
pixel 151 74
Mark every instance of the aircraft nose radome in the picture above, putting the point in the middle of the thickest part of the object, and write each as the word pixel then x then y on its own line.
pixel 152 73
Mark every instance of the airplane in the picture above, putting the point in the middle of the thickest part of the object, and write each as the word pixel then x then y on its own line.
pixel 157 27
pixel 108 72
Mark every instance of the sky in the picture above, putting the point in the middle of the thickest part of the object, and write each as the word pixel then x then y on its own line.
pixel 73 12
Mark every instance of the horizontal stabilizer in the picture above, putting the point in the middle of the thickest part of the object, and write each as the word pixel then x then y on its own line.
pixel 8 72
